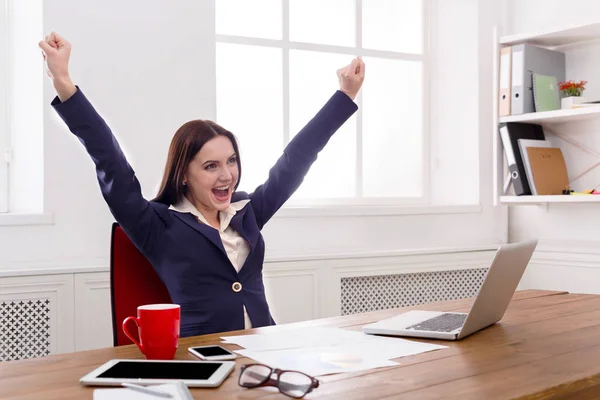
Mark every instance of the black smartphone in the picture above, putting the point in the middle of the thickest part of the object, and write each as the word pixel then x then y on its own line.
pixel 212 353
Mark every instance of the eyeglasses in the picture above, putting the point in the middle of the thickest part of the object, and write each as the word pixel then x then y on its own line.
pixel 291 383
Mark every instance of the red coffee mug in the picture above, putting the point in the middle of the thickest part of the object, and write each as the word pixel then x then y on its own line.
pixel 158 327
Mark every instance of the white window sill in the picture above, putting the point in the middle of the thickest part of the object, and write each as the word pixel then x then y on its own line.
pixel 355 210
pixel 345 254
pixel 16 219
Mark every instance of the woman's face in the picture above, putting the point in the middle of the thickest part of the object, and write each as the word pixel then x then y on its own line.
pixel 212 175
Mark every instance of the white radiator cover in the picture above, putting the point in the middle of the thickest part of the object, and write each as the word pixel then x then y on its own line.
pixel 380 292
pixel 24 329
pixel 36 316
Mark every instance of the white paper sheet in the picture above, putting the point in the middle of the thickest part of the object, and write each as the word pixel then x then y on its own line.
pixel 297 338
pixel 386 348
pixel 316 361
pixel 320 351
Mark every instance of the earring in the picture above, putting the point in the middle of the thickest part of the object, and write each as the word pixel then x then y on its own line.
pixel 184 183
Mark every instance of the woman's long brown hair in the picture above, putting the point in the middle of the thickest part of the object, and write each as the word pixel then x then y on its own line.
pixel 186 143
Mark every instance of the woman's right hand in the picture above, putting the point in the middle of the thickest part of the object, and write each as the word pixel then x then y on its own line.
pixel 351 77
pixel 57 51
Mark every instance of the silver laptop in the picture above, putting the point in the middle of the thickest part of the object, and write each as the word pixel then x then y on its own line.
pixel 492 301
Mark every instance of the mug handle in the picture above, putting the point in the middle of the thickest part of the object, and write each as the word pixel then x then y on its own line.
pixel 136 320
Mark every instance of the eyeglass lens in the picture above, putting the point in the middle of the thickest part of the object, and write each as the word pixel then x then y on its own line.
pixel 290 383
pixel 294 384
pixel 254 375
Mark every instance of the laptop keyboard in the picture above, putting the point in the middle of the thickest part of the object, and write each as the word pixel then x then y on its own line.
pixel 442 323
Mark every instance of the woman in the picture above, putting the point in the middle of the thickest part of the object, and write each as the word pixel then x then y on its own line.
pixel 200 234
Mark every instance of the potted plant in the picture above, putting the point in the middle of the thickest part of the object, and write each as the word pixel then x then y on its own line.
pixel 571 93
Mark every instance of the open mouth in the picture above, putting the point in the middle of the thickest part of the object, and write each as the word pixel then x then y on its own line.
pixel 222 192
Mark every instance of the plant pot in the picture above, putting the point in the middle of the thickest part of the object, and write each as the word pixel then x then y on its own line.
pixel 571 101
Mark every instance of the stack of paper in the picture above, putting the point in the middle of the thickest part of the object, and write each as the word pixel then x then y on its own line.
pixel 321 351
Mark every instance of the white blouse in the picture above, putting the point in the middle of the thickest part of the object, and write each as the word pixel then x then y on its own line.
pixel 235 245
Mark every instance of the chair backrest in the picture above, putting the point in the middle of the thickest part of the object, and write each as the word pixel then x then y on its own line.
pixel 133 282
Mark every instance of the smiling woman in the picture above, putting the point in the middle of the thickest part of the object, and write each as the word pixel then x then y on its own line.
pixel 203 166
pixel 201 235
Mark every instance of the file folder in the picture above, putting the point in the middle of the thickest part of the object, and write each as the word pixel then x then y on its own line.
pixel 526 60
pixel 525 144
pixel 505 81
pixel 510 133
pixel 549 170
pixel 545 93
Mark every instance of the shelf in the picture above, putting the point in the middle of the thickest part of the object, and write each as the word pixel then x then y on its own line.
pixel 556 37
pixel 589 198
pixel 555 116
pixel 560 37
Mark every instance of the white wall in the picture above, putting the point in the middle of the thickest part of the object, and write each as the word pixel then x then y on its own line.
pixel 569 240
pixel 454 73
pixel 148 66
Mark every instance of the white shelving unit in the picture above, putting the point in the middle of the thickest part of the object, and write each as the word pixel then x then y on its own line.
pixel 524 200
pixel 556 116
pixel 565 36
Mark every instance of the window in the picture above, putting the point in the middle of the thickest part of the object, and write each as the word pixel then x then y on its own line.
pixel 276 62
pixel 21 107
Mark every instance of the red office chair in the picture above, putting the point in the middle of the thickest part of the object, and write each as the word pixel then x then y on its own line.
pixel 133 282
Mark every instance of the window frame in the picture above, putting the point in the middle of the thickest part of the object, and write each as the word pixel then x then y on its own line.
pixel 4 104
pixel 425 58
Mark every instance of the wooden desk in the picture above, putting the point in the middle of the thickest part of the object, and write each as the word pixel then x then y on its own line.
pixel 546 346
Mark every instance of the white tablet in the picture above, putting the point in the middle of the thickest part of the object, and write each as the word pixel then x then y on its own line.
pixel 192 373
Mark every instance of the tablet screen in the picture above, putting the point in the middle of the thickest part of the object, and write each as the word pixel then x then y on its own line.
pixel 161 370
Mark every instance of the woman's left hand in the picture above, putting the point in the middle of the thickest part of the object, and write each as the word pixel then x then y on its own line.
pixel 351 77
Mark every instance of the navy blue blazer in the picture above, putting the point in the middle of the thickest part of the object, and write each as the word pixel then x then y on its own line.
pixel 188 255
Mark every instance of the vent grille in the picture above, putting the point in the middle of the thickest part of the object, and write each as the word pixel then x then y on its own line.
pixel 380 292
pixel 24 329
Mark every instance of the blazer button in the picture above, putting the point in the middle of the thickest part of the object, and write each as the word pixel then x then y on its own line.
pixel 237 287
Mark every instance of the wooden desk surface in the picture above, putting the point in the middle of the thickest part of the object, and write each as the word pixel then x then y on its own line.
pixel 546 346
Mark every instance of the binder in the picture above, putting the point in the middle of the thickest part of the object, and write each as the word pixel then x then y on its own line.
pixel 549 170
pixel 510 133
pixel 545 93
pixel 517 79
pixel 505 81
pixel 524 144
pixel 527 59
